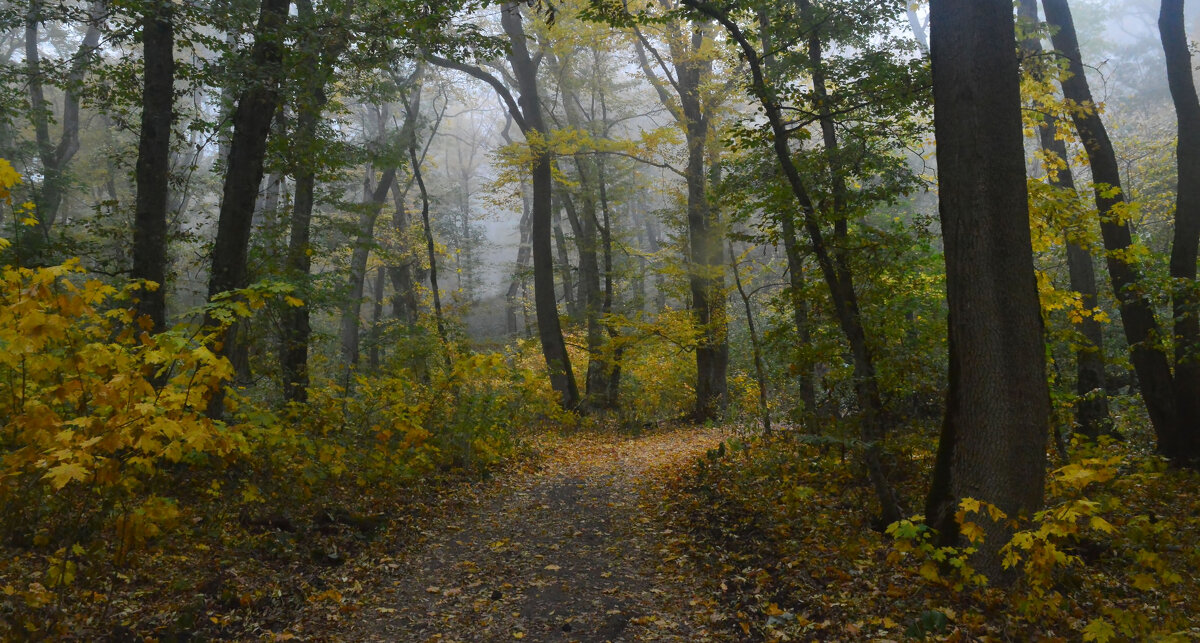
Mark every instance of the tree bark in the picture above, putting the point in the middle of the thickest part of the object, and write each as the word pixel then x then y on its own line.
pixel 1141 328
pixel 993 446
pixel 1185 296
pixel 152 171
pixel 1091 411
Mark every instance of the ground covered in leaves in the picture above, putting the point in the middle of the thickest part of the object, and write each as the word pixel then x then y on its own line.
pixel 575 550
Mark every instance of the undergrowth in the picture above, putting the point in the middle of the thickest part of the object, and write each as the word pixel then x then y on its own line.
pixel 782 526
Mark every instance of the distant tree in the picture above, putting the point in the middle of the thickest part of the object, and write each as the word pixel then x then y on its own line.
pixel 681 83
pixel 992 446
pixel 526 111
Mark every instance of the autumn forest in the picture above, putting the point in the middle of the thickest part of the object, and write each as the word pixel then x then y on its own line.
pixel 599 320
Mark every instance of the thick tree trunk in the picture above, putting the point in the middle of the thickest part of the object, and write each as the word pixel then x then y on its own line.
pixel 1091 411
pixel 152 171
pixel 1137 314
pixel 1185 447
pixel 554 348
pixel 997 418
pixel 244 170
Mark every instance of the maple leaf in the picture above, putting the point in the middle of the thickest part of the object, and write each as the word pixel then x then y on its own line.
pixel 64 473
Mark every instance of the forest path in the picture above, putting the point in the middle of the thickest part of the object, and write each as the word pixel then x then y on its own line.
pixel 571 552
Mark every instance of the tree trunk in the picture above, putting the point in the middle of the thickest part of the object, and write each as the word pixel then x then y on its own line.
pixel 430 248
pixel 511 297
pixel 760 371
pixel 706 278
pixel 1137 314
pixel 55 157
pixel 373 352
pixel 152 171
pixel 1185 296
pixel 244 170
pixel 1091 411
pixel 356 279
pixel 564 261
pixel 993 445
pixel 404 297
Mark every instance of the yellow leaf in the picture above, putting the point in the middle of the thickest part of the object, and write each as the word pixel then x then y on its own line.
pixel 1099 630
pixel 64 473
pixel 292 301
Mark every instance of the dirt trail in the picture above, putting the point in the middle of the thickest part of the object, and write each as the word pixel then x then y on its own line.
pixel 572 552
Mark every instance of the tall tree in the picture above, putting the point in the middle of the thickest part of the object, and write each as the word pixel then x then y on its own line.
pixel 993 442
pixel 1177 433
pixel 831 258
pixel 317 52
pixel 1185 295
pixel 526 111
pixel 688 70
pixel 152 171
pixel 1091 412
pixel 256 108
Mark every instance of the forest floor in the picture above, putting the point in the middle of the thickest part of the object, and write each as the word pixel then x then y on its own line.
pixel 574 548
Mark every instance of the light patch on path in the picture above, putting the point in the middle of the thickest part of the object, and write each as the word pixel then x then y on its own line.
pixel 572 552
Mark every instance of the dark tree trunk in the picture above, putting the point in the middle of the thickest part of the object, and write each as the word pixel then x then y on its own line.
pixel 1185 447
pixel 316 55
pixel 1137 314
pixel 152 171
pixel 527 112
pixel 706 278
pixel 1091 411
pixel 554 348
pixel 792 252
pixel 252 118
pixel 994 438
pixel 430 247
